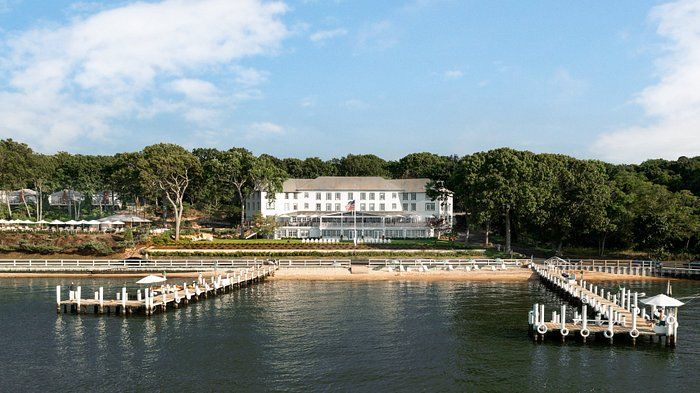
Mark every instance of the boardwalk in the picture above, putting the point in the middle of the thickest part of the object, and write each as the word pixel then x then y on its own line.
pixel 615 314
pixel 162 298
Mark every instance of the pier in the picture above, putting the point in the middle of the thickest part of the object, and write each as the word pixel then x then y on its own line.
pixel 616 315
pixel 161 298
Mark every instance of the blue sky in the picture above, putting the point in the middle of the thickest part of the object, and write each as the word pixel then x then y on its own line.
pixel 618 81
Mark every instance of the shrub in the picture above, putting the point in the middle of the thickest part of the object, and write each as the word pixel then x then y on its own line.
pixel 95 248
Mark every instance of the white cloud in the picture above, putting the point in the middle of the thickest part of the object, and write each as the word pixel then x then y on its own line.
pixel 355 104
pixel 74 81
pixel 673 104
pixel 307 102
pixel 566 85
pixel 324 35
pixel 453 74
pixel 377 36
pixel 249 76
pixel 265 129
pixel 196 89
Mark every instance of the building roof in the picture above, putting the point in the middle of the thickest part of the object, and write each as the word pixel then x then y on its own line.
pixel 354 183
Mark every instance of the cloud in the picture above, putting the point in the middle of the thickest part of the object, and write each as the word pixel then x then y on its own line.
pixel 672 104
pixel 355 104
pixel 264 129
pixel 324 35
pixel 453 74
pixel 249 76
pixel 377 36
pixel 567 86
pixel 307 102
pixel 62 84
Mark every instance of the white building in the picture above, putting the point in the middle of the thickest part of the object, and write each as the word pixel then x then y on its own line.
pixel 313 208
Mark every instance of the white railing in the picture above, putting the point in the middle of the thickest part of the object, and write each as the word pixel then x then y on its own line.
pixel 445 262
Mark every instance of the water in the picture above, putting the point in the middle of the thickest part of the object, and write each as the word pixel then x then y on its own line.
pixel 328 336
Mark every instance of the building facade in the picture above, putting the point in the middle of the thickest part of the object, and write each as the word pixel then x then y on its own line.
pixel 383 208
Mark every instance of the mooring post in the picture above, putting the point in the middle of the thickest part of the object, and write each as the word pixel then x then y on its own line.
pixel 78 296
pixel 101 297
pixel 58 299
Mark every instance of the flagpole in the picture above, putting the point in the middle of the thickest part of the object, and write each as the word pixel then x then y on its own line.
pixel 354 219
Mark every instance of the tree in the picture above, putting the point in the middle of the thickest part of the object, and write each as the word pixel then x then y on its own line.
pixel 363 165
pixel 15 163
pixel 171 168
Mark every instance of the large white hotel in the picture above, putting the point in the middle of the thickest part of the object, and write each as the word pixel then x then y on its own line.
pixel 317 208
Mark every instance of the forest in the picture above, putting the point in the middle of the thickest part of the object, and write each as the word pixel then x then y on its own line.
pixel 517 198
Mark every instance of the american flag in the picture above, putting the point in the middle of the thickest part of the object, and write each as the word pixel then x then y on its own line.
pixel 350 206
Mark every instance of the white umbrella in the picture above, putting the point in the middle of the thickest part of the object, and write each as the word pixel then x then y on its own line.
pixel 82 222
pixel 105 222
pixel 3 221
pixel 28 222
pixel 151 279
pixel 117 223
pixel 93 222
pixel 42 222
pixel 57 222
pixel 72 222
pixel 662 301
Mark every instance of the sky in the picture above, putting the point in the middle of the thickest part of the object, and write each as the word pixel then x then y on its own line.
pixel 617 81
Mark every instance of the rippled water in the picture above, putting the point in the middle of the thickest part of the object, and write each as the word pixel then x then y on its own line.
pixel 338 336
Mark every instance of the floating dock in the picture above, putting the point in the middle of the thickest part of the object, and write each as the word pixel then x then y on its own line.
pixel 616 315
pixel 161 298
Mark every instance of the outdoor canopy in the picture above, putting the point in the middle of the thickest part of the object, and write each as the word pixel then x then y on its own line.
pixel 662 301
pixel 151 279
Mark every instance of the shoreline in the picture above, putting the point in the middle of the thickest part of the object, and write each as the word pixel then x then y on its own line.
pixel 344 274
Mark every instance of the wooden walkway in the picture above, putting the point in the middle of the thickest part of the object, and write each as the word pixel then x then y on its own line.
pixel 616 315
pixel 160 298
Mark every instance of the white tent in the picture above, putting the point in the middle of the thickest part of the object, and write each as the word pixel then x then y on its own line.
pixel 152 279
pixel 93 222
pixel 42 222
pixel 72 222
pixel 82 222
pixel 117 223
pixel 662 300
pixel 57 222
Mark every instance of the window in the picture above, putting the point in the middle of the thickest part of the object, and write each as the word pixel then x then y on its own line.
pixel 371 207
pixel 318 207
pixel 382 207
pixel 405 196
pixel 337 196
pixel 318 196
pixel 306 206
pixel 394 195
pixel 363 196
pixel 350 196
pixel 371 196
pixel 430 207
pixel 329 196
pixel 286 195
pixel 382 196
pixel 295 207
pixel 413 207
pixel 337 207
pixel 405 206
pixel 286 206
pixel 295 195
pixel 393 206
pixel 362 207
pixel 413 196
pixel 306 195
pixel 328 207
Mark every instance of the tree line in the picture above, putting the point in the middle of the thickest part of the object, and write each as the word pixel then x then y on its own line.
pixel 543 200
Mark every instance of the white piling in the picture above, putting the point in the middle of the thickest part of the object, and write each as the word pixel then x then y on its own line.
pixel 563 316
pixel 584 317
pixel 58 295
pixel 78 295
pixel 138 295
pixel 102 297
pixel 124 297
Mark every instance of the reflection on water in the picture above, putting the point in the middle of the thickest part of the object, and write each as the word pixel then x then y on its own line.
pixel 371 336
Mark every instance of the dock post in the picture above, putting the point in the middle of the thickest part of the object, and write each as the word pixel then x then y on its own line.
pixel 124 296
pixel 102 299
pixel 629 306
pixel 78 296
pixel 584 322
pixel 58 299
pixel 145 301
pixel 138 295
pixel 622 298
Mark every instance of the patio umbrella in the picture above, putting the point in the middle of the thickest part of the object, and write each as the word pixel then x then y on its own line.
pixel 57 222
pixel 151 279
pixel 3 221
pixel 72 222
pixel 93 222
pixel 117 223
pixel 662 301
pixel 82 222
pixel 42 222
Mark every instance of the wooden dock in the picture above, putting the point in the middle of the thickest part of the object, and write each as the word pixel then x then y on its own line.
pixel 616 315
pixel 161 298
